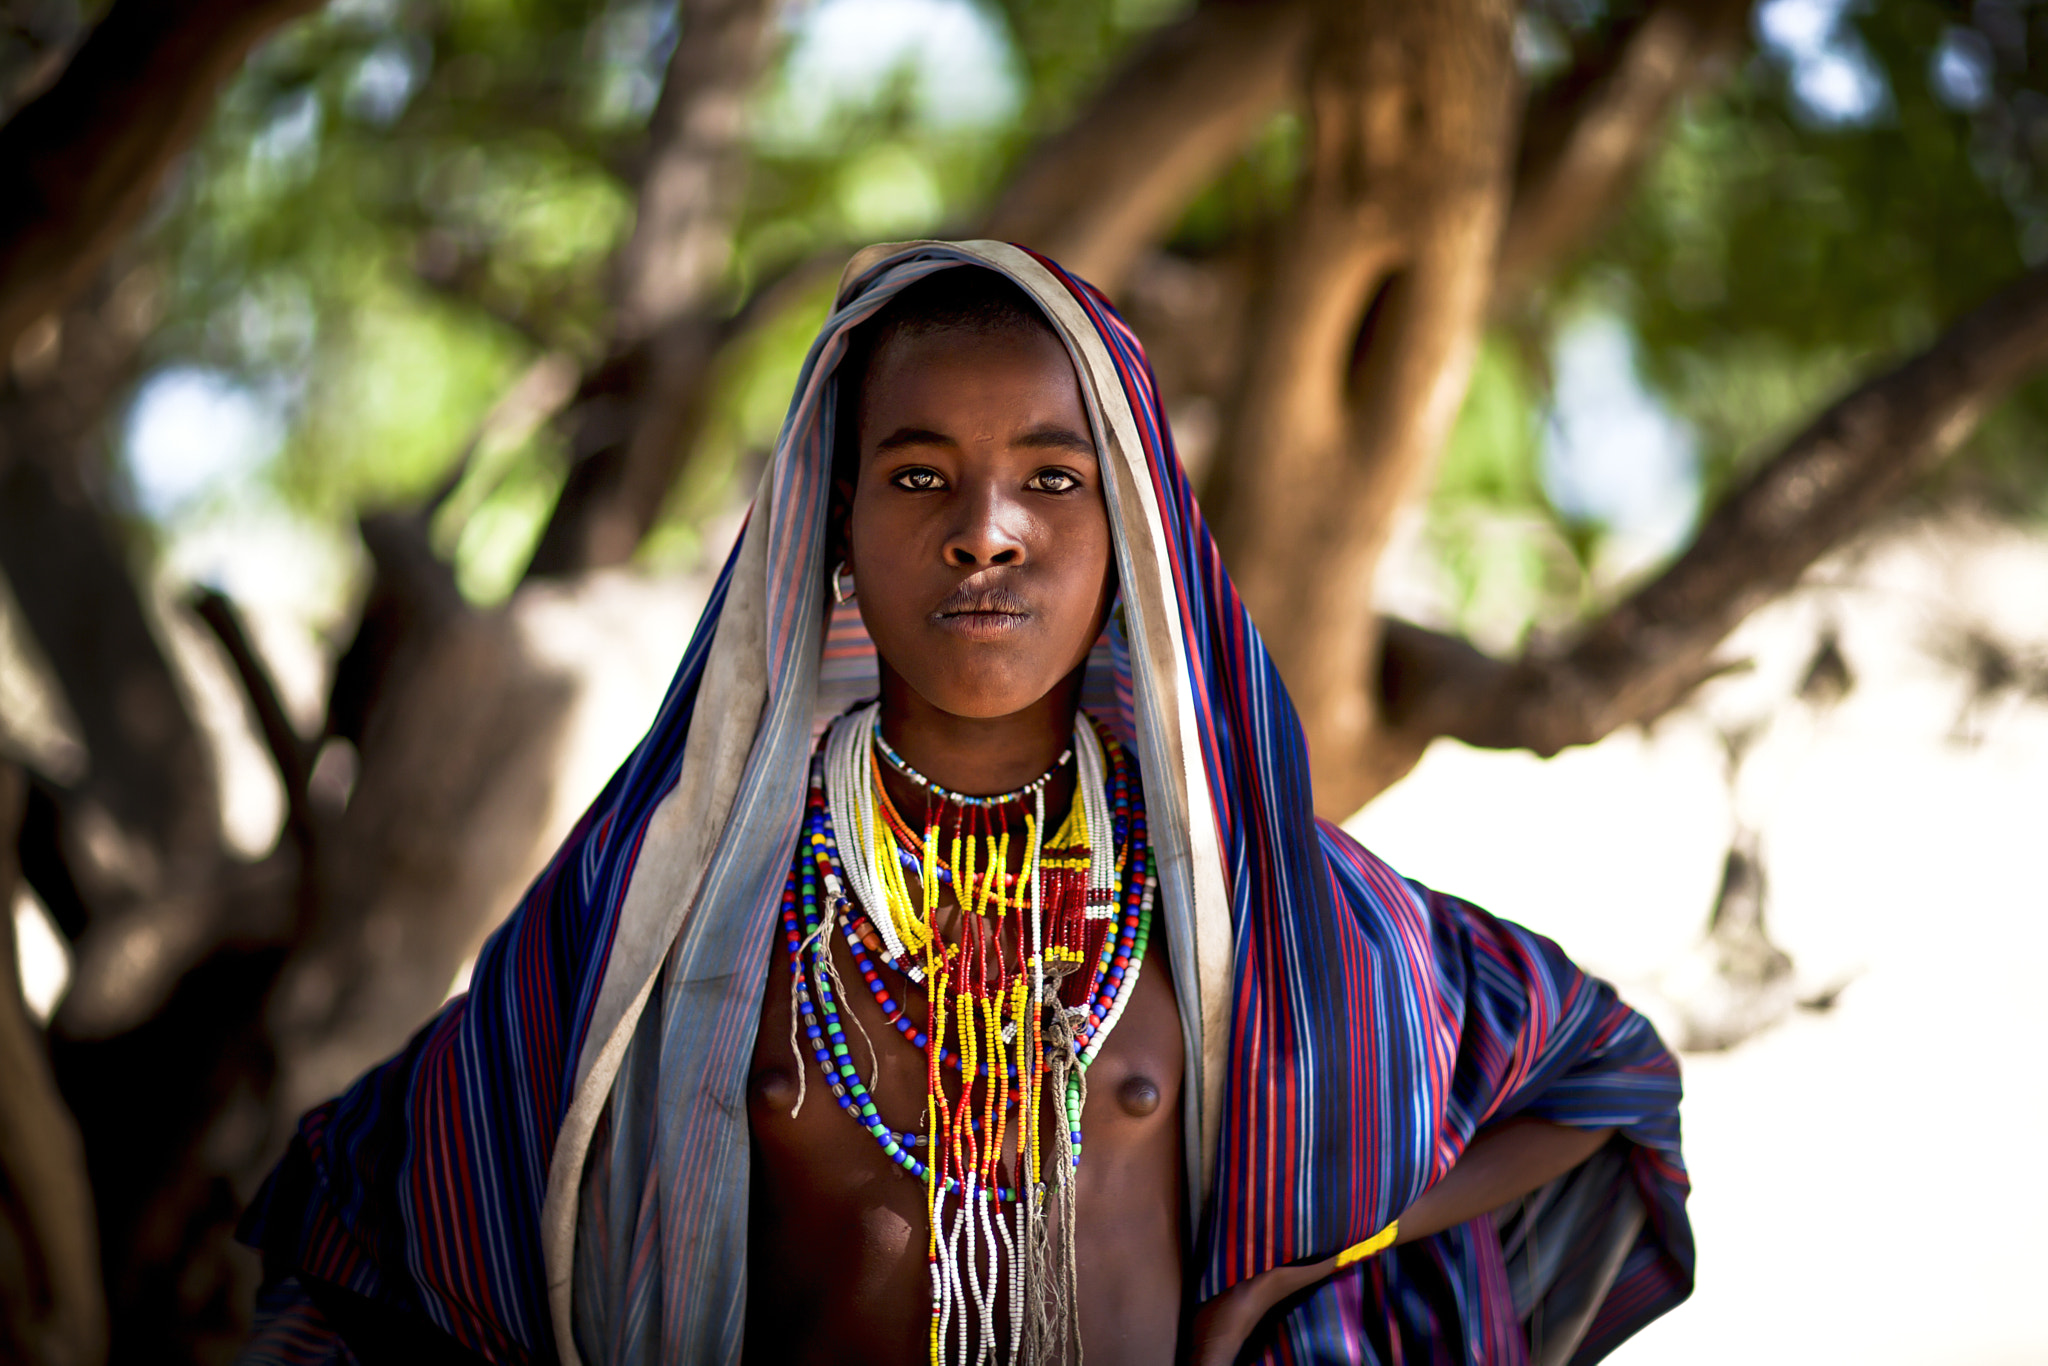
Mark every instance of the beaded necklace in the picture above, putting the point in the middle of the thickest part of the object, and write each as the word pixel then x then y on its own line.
pixel 897 762
pixel 1009 1012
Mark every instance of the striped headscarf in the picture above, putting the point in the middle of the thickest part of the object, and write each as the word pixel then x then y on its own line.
pixel 557 1166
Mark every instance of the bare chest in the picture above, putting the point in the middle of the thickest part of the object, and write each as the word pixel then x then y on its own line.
pixel 839 1232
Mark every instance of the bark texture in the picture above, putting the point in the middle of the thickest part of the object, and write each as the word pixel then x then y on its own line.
pixel 1105 189
pixel 636 416
pixel 1827 483
pixel 79 163
pixel 52 1310
pixel 220 998
pixel 1362 335
pixel 454 727
pixel 1585 142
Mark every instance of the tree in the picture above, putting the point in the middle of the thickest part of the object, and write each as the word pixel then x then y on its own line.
pixel 598 263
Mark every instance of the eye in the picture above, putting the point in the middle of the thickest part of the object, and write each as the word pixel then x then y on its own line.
pixel 1054 481
pixel 918 479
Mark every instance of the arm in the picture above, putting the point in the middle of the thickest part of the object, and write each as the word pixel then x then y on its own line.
pixel 1499 1165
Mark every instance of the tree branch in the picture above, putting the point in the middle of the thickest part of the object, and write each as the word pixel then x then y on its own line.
pixel 782 286
pixel 1585 140
pixel 462 278
pixel 1827 483
pixel 413 596
pixel 1096 194
pixel 696 165
pixel 542 390
pixel 292 755
pixel 637 417
pixel 458 759
pixel 79 164
pixel 150 768
pixel 42 38
pixel 52 1309
pixel 44 866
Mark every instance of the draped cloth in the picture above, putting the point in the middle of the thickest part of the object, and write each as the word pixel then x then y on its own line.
pixel 557 1166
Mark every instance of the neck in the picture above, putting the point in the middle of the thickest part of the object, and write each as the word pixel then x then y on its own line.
pixel 981 755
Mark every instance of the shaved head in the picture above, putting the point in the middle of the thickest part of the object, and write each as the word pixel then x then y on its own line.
pixel 970 299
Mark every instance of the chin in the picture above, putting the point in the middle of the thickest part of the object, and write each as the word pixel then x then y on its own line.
pixel 981 694
pixel 981 706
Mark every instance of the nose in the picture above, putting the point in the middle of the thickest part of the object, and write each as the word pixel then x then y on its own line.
pixel 989 529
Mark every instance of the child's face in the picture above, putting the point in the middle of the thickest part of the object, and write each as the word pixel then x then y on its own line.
pixel 979 538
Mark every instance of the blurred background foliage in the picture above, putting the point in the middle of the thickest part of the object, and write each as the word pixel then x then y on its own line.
pixel 402 204
pixel 388 276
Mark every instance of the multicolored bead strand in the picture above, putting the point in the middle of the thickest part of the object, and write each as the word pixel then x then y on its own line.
pixel 1058 942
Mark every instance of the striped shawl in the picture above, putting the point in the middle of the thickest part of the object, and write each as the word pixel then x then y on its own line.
pixel 557 1166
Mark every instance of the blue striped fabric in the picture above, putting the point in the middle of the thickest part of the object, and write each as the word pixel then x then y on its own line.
pixel 291 1331
pixel 1349 1031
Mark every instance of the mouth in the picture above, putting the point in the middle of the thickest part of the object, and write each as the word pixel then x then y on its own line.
pixel 980 625
pixel 981 615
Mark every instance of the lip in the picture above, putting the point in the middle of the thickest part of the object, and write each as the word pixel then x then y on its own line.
pixel 981 625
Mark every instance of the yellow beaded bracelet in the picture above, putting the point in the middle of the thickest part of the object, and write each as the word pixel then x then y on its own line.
pixel 1379 1242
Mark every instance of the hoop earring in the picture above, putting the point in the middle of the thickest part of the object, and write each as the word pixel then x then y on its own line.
pixel 842 583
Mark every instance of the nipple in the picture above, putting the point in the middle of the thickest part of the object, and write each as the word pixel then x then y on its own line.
pixel 1138 1096
pixel 772 1086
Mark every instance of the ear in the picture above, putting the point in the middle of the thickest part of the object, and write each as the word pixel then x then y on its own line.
pixel 839 524
pixel 845 472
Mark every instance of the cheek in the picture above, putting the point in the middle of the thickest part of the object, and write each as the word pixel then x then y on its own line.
pixel 1086 578
pixel 878 541
pixel 860 529
pixel 1090 552
pixel 889 578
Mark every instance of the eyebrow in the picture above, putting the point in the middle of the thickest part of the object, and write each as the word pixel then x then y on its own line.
pixel 912 436
pixel 1047 437
pixel 1053 437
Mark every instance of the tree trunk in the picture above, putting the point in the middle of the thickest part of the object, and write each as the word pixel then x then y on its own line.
pixel 1361 340
pixel 52 1311
pixel 638 415
pixel 455 759
pixel 148 801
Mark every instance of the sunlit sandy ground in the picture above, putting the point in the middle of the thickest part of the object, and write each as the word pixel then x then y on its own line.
pixel 1870 1181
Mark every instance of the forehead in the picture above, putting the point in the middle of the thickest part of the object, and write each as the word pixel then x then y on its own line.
pixel 973 377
